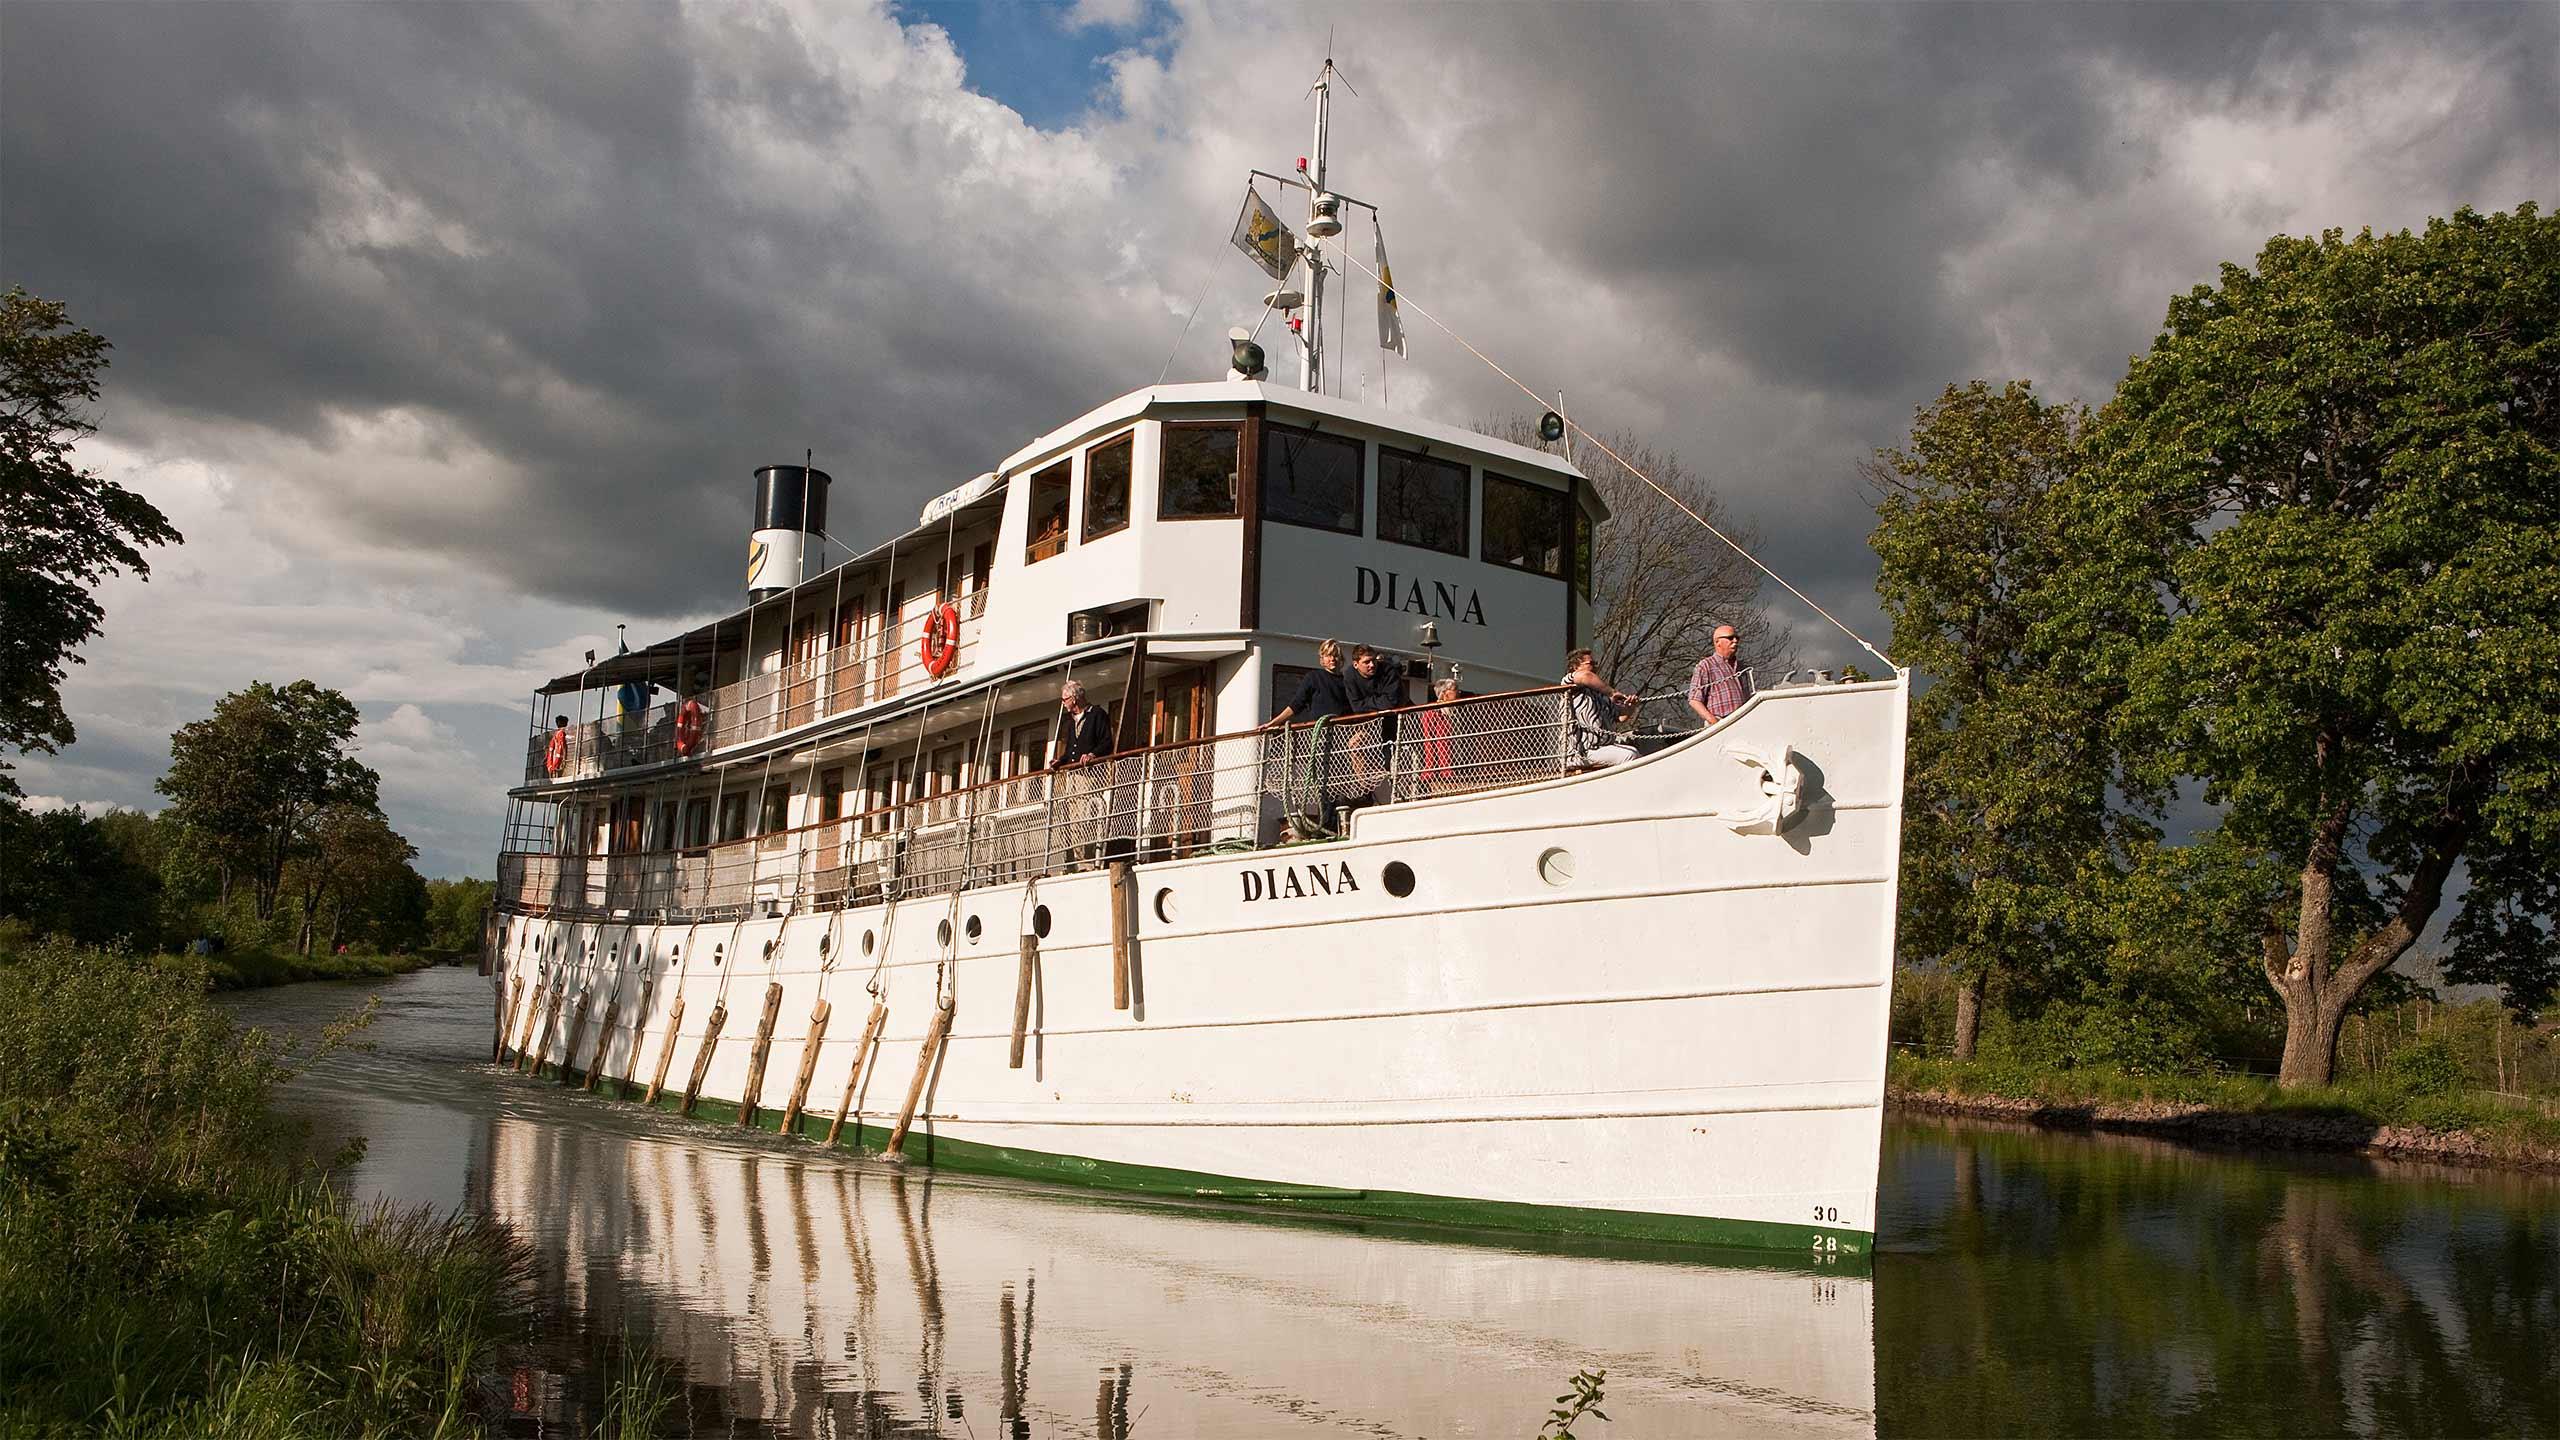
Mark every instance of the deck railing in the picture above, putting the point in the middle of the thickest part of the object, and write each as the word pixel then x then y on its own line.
pixel 756 708
pixel 1230 792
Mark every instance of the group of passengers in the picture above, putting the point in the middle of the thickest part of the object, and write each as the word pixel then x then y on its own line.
pixel 1597 716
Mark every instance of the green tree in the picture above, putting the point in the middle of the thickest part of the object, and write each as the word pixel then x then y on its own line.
pixel 62 529
pixel 67 874
pixel 2328 500
pixel 357 867
pixel 456 911
pixel 251 782
pixel 2005 808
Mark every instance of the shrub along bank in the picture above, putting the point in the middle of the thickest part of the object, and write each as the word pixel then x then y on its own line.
pixel 166 1267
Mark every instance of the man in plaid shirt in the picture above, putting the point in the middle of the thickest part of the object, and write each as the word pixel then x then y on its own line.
pixel 1719 685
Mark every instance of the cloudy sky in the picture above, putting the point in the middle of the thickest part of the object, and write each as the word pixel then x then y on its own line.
pixel 450 333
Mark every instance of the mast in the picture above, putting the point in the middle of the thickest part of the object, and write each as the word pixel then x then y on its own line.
pixel 1324 219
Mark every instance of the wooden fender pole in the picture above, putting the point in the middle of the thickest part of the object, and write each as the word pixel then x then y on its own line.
pixel 926 1054
pixel 658 1078
pixel 764 1050
pixel 532 1017
pixel 853 1079
pixel 1022 996
pixel 507 1027
pixel 550 1027
pixel 808 1067
pixel 702 1057
pixel 604 1038
pixel 577 1032
pixel 1119 934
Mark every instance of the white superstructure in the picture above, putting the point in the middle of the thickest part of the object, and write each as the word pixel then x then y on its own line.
pixel 818 857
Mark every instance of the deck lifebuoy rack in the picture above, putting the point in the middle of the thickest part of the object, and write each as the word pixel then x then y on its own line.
pixel 556 754
pixel 689 728
pixel 940 647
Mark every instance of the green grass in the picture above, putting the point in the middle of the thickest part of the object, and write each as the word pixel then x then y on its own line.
pixel 167 1269
pixel 255 968
pixel 2511 1130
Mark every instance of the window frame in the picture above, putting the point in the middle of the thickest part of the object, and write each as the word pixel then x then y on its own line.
pixel 1062 477
pixel 1466 502
pixel 1165 431
pixel 1126 441
pixel 1272 433
pixel 1563 501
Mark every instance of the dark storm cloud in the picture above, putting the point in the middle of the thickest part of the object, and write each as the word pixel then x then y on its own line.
pixel 513 223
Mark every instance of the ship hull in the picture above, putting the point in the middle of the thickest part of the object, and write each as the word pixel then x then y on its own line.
pixel 1592 1004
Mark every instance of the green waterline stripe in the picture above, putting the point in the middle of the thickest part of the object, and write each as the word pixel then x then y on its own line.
pixel 1775 1240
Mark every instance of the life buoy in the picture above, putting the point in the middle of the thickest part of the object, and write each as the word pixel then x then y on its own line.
pixel 940 647
pixel 555 754
pixel 688 728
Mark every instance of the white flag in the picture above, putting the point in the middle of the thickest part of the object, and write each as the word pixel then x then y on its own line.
pixel 1390 320
pixel 1260 234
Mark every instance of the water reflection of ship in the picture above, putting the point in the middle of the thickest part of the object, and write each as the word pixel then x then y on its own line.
pixel 822 1295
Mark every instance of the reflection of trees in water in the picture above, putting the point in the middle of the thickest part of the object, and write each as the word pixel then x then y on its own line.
pixel 2071 1284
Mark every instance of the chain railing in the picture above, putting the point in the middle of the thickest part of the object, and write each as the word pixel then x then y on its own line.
pixel 1232 792
pixel 756 708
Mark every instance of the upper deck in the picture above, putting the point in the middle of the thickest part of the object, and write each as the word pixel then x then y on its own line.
pixel 1224 509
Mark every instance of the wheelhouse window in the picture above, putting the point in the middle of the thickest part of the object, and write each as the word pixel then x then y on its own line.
pixel 1583 543
pixel 1422 501
pixel 1197 477
pixel 1106 486
pixel 1525 526
pixel 1048 513
pixel 1310 479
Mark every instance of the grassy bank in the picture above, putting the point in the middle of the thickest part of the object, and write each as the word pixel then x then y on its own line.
pixel 167 1269
pixel 256 968
pixel 2412 1115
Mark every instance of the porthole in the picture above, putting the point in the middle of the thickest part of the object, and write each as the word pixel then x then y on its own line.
pixel 942 933
pixel 1399 879
pixel 1556 865
pixel 974 928
pixel 716 953
pixel 868 939
pixel 1040 921
pixel 768 950
pixel 615 956
pixel 825 944
pixel 675 955
pixel 1164 905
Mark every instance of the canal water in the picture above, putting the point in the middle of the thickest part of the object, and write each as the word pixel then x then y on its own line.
pixel 2025 1283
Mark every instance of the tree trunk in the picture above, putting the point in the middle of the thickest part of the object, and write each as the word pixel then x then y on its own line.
pixel 1968 1011
pixel 2310 1042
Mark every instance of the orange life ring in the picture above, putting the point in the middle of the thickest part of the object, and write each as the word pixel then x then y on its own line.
pixel 940 647
pixel 555 754
pixel 688 728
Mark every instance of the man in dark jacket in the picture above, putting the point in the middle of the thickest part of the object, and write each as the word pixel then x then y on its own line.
pixel 1084 740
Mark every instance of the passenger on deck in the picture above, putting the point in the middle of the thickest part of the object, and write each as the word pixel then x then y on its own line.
pixel 1439 730
pixel 1376 682
pixel 1322 694
pixel 1595 715
pixel 1084 736
pixel 1719 686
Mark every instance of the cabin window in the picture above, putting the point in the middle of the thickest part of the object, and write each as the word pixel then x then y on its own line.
pixel 1525 526
pixel 1025 755
pixel 1106 486
pixel 733 817
pixel 1310 479
pixel 1422 501
pixel 697 823
pixel 1048 513
pixel 1197 477
pixel 776 820
pixel 1583 552
pixel 830 795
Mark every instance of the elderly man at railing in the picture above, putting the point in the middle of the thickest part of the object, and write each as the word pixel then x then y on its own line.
pixel 1085 743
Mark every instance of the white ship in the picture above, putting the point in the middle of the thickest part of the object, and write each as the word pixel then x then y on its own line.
pixel 815 866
